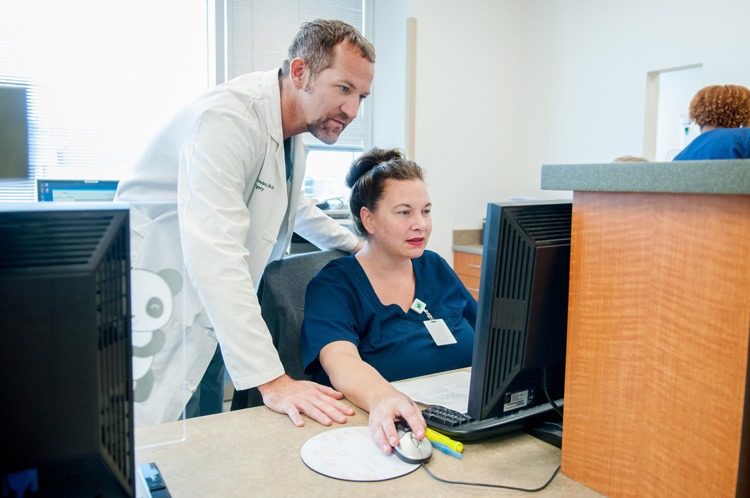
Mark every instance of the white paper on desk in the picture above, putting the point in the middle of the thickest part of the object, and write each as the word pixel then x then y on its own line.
pixel 450 390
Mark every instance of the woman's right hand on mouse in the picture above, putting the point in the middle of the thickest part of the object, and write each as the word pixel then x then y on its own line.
pixel 383 415
pixel 366 388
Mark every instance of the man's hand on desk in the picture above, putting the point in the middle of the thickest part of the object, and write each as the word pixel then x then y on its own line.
pixel 293 397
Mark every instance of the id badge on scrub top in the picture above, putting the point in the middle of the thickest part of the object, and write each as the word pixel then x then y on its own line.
pixel 438 330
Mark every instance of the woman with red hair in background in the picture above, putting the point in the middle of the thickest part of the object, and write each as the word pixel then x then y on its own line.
pixel 723 114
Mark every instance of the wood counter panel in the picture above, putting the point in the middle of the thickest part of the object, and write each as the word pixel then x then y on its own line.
pixel 468 268
pixel 658 332
pixel 467 263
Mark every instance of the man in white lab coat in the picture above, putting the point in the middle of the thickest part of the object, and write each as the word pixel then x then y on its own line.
pixel 220 190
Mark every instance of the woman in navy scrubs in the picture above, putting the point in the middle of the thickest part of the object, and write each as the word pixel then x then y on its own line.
pixel 392 311
pixel 723 113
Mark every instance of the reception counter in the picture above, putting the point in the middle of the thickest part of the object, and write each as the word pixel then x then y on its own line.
pixel 679 177
pixel 656 394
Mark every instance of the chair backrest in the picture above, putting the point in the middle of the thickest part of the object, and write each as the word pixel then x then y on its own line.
pixel 281 294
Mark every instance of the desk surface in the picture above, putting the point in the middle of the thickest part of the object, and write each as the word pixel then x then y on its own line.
pixel 256 452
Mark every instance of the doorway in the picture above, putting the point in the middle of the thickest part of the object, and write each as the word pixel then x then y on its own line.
pixel 668 93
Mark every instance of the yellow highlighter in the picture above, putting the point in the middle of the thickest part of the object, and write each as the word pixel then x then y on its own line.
pixel 436 436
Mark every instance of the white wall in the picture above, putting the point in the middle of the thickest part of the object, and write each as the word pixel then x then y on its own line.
pixel 467 107
pixel 504 86
pixel 388 33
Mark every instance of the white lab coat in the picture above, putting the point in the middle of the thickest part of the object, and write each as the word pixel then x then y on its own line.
pixel 211 191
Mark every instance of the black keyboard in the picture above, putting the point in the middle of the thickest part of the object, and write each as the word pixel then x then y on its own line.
pixel 463 427
pixel 445 417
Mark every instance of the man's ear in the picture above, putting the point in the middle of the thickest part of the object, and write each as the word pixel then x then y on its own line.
pixel 298 71
pixel 367 220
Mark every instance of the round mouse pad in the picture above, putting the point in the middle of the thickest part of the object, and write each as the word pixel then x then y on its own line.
pixel 350 454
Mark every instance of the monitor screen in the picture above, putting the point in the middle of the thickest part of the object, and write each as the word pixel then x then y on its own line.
pixel 75 190
pixel 65 350
pixel 14 133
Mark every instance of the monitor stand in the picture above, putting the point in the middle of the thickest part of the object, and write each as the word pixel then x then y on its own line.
pixel 549 432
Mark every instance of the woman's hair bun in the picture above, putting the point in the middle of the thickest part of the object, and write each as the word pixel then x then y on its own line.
pixel 368 161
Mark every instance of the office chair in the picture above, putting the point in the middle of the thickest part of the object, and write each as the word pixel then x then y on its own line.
pixel 281 294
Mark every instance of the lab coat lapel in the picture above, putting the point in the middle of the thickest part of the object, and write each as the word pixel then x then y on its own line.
pixel 267 206
pixel 299 157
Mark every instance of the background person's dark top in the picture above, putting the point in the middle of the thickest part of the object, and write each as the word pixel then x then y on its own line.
pixel 721 143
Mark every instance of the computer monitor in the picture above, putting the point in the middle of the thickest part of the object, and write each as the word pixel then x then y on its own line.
pixel 523 308
pixel 75 190
pixel 518 364
pixel 14 132
pixel 65 350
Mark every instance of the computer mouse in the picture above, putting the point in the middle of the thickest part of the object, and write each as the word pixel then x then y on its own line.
pixel 410 449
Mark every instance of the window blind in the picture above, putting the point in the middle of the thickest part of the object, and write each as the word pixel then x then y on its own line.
pixel 101 78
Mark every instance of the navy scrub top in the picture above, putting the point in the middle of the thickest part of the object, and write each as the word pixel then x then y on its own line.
pixel 340 304
pixel 721 143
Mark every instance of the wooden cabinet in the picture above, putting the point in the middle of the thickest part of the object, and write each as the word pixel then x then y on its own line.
pixel 657 374
pixel 468 266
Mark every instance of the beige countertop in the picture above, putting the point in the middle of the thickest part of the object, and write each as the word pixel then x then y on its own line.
pixel 256 452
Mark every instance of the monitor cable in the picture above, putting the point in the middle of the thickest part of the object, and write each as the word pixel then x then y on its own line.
pixel 546 393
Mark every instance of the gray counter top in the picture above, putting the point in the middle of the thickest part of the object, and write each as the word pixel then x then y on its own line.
pixel 470 248
pixel 692 177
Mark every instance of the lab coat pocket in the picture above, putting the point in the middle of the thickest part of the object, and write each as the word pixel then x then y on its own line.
pixel 260 246
pixel 269 237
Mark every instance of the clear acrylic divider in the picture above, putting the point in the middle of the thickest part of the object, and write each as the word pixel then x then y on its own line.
pixel 161 317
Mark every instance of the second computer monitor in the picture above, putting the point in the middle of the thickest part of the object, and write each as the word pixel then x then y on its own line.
pixel 76 190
